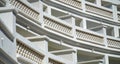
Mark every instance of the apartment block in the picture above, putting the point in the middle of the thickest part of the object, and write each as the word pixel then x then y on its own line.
pixel 59 31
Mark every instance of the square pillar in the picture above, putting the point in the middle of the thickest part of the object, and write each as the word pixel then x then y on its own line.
pixel 83 5
pixel 116 31
pixel 115 16
pixel 98 2
pixel 106 59
pixel 105 35
pixel 73 27
pixel 84 25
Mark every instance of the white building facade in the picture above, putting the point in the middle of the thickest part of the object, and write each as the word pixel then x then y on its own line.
pixel 59 31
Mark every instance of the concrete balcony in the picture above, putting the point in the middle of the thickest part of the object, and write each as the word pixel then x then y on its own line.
pixel 73 3
pixel 26 9
pixel 26 53
pixel 91 8
pixel 113 42
pixel 89 36
pixel 57 25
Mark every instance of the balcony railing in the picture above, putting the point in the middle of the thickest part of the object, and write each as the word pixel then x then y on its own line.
pixel 73 3
pixel 99 11
pixel 57 26
pixel 28 53
pixel 54 62
pixel 89 36
pixel 22 7
pixel 113 43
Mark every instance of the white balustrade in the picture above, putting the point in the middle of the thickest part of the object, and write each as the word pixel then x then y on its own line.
pixel 28 53
pixel 25 9
pixel 55 25
pixel 113 43
pixel 88 36
pixel 100 11
pixel 74 3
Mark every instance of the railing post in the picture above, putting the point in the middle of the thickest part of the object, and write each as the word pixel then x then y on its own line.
pixel 114 10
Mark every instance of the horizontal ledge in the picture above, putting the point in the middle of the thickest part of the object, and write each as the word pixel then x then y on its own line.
pixel 60 51
pixel 90 61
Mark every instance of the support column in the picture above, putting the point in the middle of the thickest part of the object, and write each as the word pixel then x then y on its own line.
pixel 8 21
pixel 7 3
pixel 116 31
pixel 73 27
pixel 98 2
pixel 84 23
pixel 106 59
pixel 74 56
pixel 115 16
pixel 105 35
pixel 49 10
pixel 41 14
pixel 83 5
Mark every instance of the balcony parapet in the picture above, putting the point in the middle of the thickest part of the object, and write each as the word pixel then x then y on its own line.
pixel 27 51
pixel 87 35
pixel 74 3
pixel 102 11
pixel 113 42
pixel 57 25
pixel 25 8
